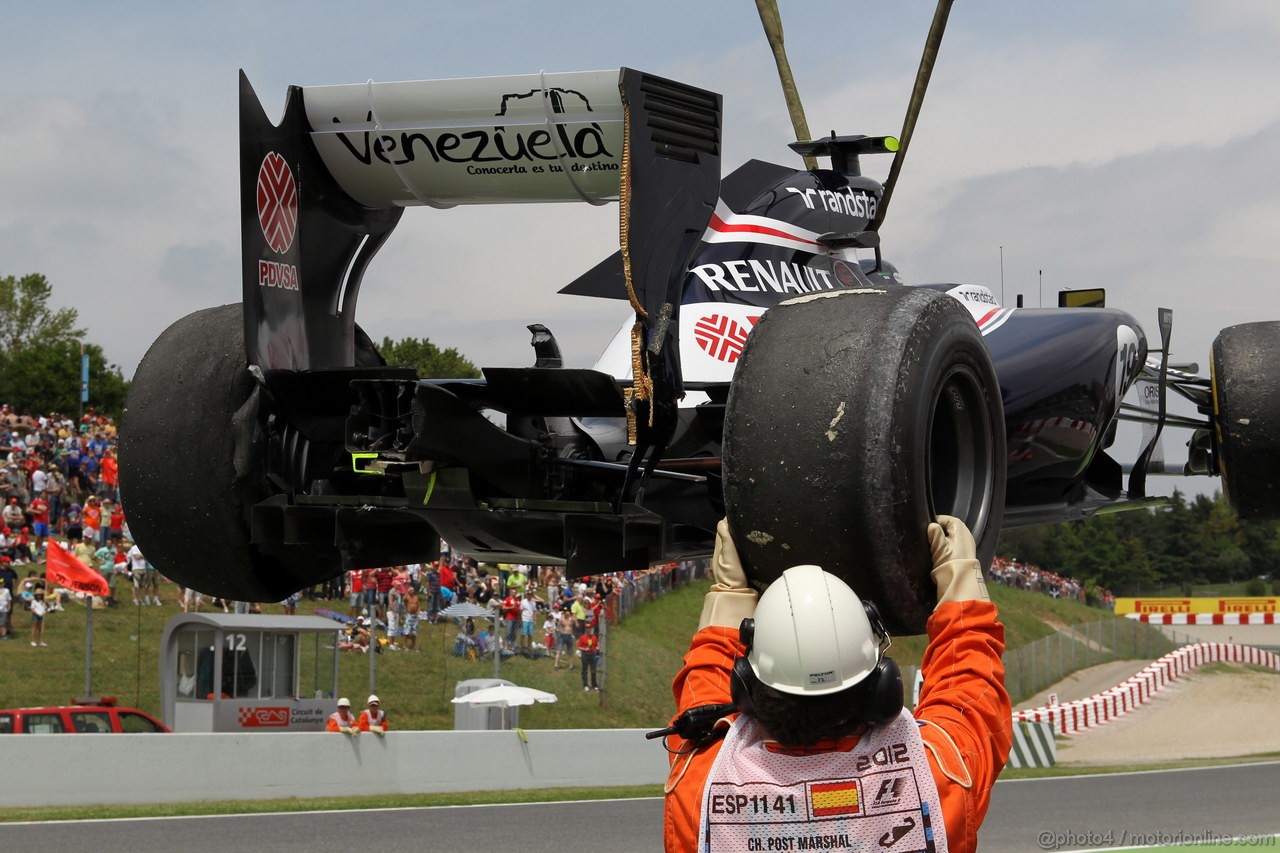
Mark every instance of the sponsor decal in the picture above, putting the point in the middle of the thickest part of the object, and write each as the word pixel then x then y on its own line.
pixel 260 718
pixel 844 274
pixel 277 203
pixel 1127 348
pixel 1202 606
pixel 555 97
pixel 1247 605
pixel 764 276
pixel 971 294
pixel 846 201
pixel 511 150
pixel 272 274
pixel 1163 605
pixel 834 798
pixel 722 338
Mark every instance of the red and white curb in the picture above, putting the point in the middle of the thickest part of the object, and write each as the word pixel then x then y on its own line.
pixel 1073 717
pixel 1205 618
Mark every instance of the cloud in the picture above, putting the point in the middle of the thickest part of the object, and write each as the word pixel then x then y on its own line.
pixel 1154 229
pixel 201 268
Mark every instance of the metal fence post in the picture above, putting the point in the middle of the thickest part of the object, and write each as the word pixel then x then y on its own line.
pixel 1034 683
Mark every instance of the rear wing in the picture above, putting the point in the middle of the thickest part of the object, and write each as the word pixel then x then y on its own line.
pixel 322 191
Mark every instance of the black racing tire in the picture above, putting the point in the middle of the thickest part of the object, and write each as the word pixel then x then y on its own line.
pixel 191 462
pixel 855 418
pixel 1246 416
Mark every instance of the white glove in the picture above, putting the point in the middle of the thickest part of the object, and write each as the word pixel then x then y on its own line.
pixel 351 730
pixel 956 570
pixel 377 730
pixel 731 598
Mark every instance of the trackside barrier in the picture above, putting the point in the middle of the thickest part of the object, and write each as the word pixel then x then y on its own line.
pixel 1033 746
pixel 1205 618
pixel 173 768
pixel 1072 717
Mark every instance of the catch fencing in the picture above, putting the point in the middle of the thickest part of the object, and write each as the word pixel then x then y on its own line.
pixel 1037 666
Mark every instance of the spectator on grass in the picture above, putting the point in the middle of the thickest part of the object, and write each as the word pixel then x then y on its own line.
pixel 93 520
pixel 528 616
pixel 384 578
pixel 410 630
pixel 357 637
pixel 140 570
pixel 566 628
pixel 37 618
pixel 589 648
pixel 73 522
pixel 510 620
pixel 355 592
pixel 8 577
pixel 13 515
pixel 431 586
pixel 115 523
pixel 39 510
pixel 6 611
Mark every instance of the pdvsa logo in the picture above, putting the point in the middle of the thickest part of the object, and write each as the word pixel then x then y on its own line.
pixel 722 338
pixel 277 202
pixel 264 718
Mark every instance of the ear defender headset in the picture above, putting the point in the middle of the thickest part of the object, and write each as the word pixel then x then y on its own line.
pixel 875 700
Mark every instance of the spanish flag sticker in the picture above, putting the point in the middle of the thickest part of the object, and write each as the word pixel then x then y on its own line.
pixel 834 798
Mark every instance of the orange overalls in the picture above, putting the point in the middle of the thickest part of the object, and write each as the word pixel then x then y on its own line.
pixel 367 719
pixel 964 701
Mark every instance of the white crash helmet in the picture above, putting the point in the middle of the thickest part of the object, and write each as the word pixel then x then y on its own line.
pixel 812 635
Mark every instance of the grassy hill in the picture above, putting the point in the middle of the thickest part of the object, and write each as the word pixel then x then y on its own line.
pixel 645 651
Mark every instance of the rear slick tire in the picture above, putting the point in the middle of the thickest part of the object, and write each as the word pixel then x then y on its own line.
pixel 191 451
pixel 854 419
pixel 1246 416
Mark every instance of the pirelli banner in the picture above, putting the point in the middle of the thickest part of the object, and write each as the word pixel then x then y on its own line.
pixel 1253 610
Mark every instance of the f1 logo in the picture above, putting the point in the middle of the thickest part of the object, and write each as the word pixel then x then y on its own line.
pixel 890 791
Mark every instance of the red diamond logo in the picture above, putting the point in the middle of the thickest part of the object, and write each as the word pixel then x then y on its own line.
pixel 277 202
pixel 720 337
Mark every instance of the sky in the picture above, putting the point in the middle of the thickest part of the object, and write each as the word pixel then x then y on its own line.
pixel 1129 144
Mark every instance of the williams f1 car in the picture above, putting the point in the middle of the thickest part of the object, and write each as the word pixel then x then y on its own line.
pixel 773 366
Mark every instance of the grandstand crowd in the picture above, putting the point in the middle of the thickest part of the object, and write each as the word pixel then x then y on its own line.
pixel 1012 572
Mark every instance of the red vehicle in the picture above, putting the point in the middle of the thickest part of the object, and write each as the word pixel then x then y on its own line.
pixel 90 716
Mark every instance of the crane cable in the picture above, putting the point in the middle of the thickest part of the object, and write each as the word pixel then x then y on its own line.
pixel 772 22
pixel 927 58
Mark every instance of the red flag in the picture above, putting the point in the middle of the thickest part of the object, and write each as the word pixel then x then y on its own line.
pixel 65 570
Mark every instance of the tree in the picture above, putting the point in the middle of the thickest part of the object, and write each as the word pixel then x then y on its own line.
pixel 1137 553
pixel 40 354
pixel 46 378
pixel 25 317
pixel 428 359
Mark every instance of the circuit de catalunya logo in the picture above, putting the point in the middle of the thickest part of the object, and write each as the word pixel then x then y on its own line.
pixel 277 202
pixel 260 718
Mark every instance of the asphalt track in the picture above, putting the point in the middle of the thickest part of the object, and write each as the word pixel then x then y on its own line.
pixel 1040 814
